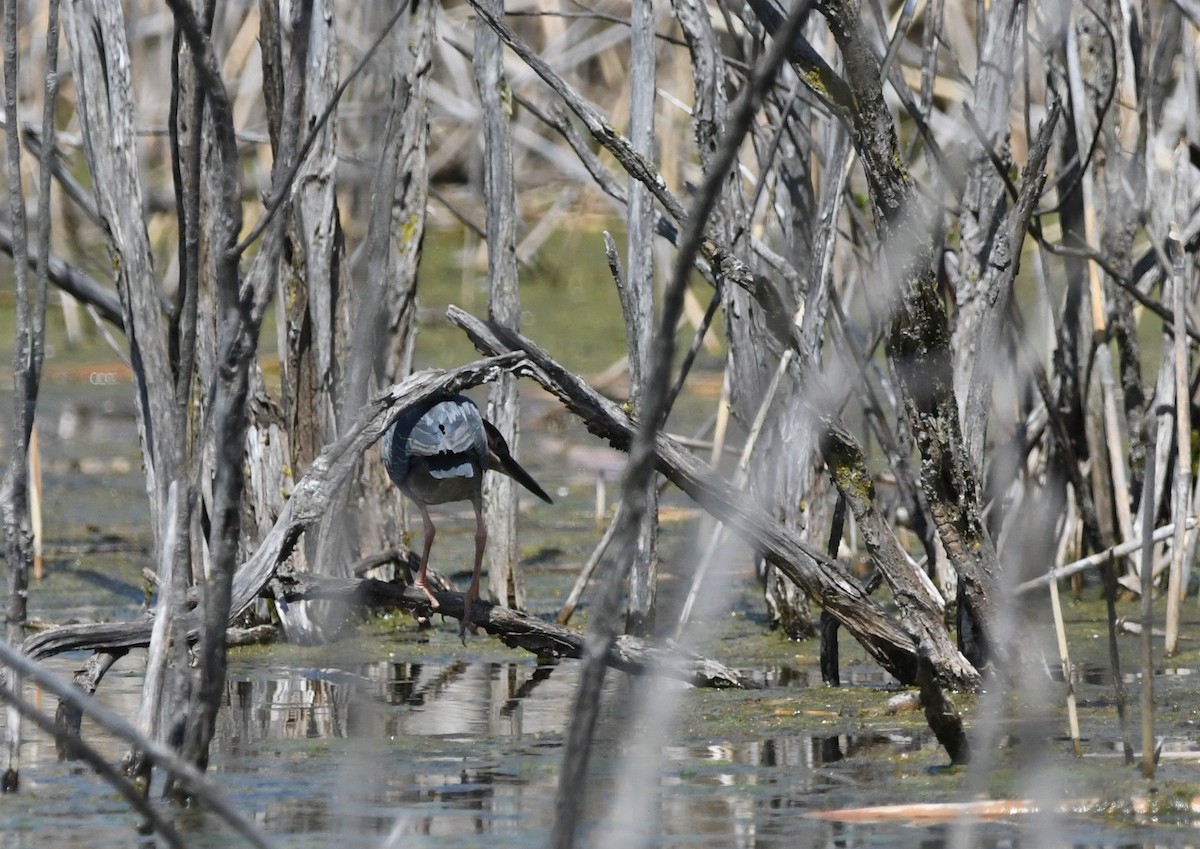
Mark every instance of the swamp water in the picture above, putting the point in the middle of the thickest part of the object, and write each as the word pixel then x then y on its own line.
pixel 461 748
pixel 402 737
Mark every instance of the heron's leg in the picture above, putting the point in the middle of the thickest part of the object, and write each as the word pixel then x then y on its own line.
pixel 480 545
pixel 429 535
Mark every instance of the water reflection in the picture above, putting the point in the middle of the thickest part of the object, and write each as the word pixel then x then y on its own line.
pixel 785 675
pixel 457 753
pixel 459 750
pixel 388 699
pixel 1101 674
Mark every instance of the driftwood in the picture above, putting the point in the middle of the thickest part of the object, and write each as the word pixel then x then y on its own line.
pixel 515 629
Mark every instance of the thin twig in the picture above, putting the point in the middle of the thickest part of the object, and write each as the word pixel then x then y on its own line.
pixel 1125 549
pixel 1148 612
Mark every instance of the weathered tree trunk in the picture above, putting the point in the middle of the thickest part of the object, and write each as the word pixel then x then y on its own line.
pixel 104 99
pixel 751 359
pixel 982 285
pixel 194 360
pixel 637 301
pixel 316 300
pixel 240 309
pixel 28 346
pixel 163 356
pixel 394 238
pixel 503 409
pixel 919 338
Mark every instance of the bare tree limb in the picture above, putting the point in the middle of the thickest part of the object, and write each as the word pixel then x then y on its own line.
pixel 74 282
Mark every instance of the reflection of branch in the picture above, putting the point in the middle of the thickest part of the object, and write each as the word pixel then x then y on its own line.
pixel 540 674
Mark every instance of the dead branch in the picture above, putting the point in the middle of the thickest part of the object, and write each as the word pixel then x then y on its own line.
pixel 941 715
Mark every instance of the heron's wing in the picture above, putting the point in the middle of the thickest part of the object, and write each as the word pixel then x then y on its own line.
pixel 448 427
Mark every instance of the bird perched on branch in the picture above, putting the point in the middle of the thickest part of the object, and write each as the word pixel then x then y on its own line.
pixel 437 452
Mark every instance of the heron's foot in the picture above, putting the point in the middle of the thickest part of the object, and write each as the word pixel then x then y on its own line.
pixel 419 583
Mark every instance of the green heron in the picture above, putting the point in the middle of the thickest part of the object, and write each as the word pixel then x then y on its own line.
pixel 437 452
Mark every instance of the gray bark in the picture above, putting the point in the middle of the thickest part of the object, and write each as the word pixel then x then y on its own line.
pixel 982 300
pixel 637 301
pixel 919 338
pixel 239 311
pixel 315 298
pixel 101 70
pixel 398 225
pixel 752 359
pixel 27 347
pixel 505 585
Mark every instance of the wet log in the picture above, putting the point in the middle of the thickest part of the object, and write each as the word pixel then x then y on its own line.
pixel 515 629
pixel 941 715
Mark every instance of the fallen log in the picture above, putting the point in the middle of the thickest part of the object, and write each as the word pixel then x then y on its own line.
pixel 515 629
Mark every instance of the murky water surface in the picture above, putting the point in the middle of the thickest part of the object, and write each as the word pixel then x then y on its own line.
pixel 411 735
pixel 466 753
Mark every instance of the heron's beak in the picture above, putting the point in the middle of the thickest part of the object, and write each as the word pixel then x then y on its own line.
pixel 501 459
